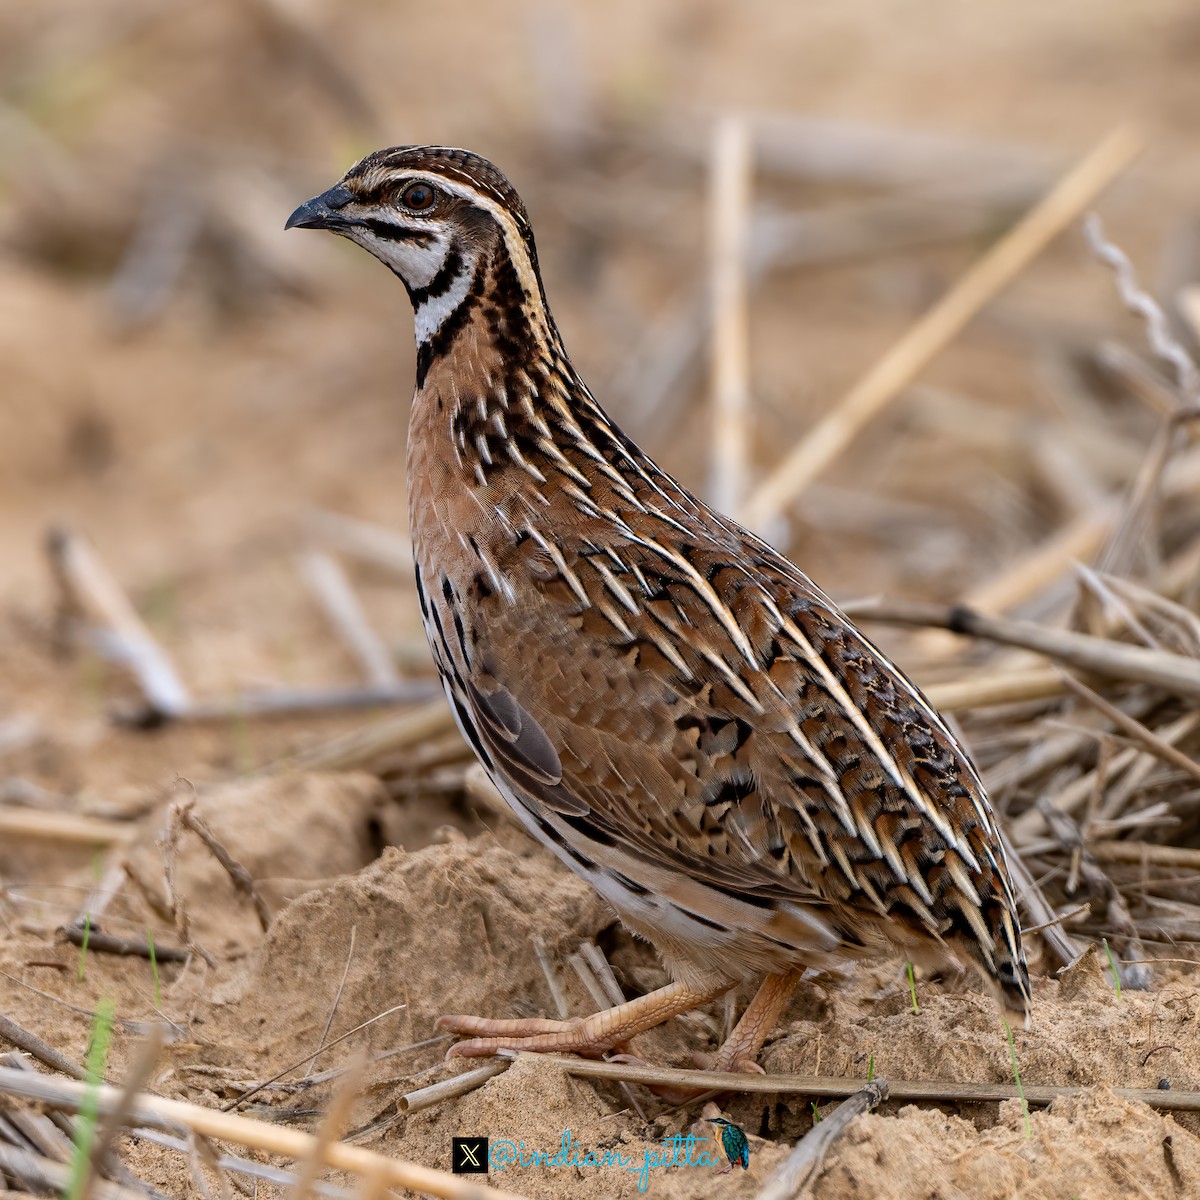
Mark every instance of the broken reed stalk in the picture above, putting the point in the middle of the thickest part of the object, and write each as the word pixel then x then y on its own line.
pixel 286 702
pixel 596 975
pixel 993 272
pixel 1159 747
pixel 1045 563
pixel 333 591
pixel 834 1088
pixel 1032 899
pixel 361 747
pixel 1076 794
pixel 365 540
pixel 1172 673
pixel 449 1089
pixel 241 1166
pixel 808 1156
pixel 40 1131
pixel 89 589
pixel 729 215
pixel 63 827
pixel 177 1115
pixel 1002 687
pixel 145 1059
pixel 658 369
pixel 45 1176
pixel 333 1125
pixel 1137 853
pixel 1078 541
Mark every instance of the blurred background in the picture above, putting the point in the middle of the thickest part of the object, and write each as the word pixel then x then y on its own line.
pixel 202 399
pixel 203 515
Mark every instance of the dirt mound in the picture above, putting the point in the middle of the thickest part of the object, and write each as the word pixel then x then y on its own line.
pixel 449 928
pixel 1093 1147
pixel 1081 1033
pixel 597 1146
pixel 452 927
pixel 287 831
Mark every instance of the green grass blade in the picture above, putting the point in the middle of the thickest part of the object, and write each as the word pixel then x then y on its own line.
pixel 89 1112
pixel 1012 1054
pixel 1112 966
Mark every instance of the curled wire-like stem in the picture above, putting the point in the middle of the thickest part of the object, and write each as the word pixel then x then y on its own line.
pixel 1139 302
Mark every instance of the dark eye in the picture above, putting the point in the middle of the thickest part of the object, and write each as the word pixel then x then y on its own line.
pixel 417 196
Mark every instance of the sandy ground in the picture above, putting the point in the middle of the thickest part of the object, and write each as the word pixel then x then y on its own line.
pixel 450 927
pixel 191 448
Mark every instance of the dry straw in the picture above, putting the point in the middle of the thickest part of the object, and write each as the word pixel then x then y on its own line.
pixel 998 268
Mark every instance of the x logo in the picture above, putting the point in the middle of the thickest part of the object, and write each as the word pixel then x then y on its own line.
pixel 468 1155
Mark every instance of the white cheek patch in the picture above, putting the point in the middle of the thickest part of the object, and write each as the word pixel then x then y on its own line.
pixel 414 263
pixel 436 309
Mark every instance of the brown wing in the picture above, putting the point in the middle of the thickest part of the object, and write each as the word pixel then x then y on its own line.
pixel 710 708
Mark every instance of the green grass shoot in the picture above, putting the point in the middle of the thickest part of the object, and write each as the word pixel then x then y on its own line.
pixel 816 1115
pixel 87 935
pixel 1112 966
pixel 912 988
pixel 154 969
pixel 89 1112
pixel 1012 1054
pixel 870 1068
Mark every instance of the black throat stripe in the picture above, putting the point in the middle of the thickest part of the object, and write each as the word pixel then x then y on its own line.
pixel 397 233
pixel 441 283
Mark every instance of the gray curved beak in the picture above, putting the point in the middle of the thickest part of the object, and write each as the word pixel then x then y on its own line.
pixel 321 212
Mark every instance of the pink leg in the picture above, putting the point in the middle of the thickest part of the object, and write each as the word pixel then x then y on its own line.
pixel 743 1044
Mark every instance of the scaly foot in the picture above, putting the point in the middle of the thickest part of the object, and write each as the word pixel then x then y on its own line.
pixel 742 1046
pixel 589 1036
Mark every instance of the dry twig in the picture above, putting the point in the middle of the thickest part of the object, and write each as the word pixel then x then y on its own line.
pixel 184 812
pixel 1156 745
pixel 10 1031
pixel 88 588
pixel 806 1160
pixel 449 1089
pixel 729 226
pixel 63 827
pixel 329 584
pixel 835 1088
pixel 1172 673
pixel 178 1115
pixel 145 1059
pixel 999 267
pixel 107 943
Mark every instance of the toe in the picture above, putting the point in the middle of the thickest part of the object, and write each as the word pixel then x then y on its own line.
pixel 488 1027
